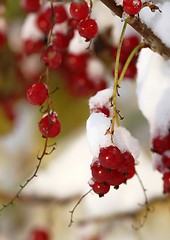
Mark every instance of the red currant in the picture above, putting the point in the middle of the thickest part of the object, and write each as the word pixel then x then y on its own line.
pixel 161 144
pixel 30 5
pixel 49 125
pixel 166 179
pixel 31 46
pixel 166 159
pixel 132 7
pixel 99 188
pixel 127 166
pixel 115 178
pixel 99 173
pixel 61 41
pixel 110 157
pixel 79 10
pixel 103 110
pixel 39 234
pixel 88 28
pixel 51 57
pixel 37 93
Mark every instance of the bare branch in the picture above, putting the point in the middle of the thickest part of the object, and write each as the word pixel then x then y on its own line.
pixel 153 42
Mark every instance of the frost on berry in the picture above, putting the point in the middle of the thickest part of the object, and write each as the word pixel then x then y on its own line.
pixel 49 125
pixel 37 93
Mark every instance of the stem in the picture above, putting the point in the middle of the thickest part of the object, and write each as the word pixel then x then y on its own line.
pixel 132 54
pixel 116 85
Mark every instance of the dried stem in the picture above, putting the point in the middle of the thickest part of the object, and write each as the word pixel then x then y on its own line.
pixel 73 210
pixel 153 41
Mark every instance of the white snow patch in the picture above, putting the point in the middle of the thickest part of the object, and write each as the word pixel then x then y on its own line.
pixel 158 21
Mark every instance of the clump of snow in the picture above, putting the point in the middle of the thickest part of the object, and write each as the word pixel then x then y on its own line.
pixel 97 126
pixel 158 21
pixel 102 98
pixel 126 142
pixel 95 68
pixel 77 44
pixel 30 30
pixel 99 136
pixel 153 88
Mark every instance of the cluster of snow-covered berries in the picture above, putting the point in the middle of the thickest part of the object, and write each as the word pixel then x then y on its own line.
pixel 113 156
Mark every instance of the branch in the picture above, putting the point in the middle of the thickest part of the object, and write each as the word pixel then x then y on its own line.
pixel 153 42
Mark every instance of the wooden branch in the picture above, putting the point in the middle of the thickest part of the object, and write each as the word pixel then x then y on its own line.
pixel 153 42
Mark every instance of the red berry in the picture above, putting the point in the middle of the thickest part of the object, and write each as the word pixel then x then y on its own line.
pixel 32 46
pixel 161 144
pixel 115 178
pixel 30 5
pixel 51 57
pixel 99 173
pixel 166 159
pixel 79 10
pixel 39 234
pixel 127 166
pixel 110 157
pixel 2 39
pixel 103 110
pixel 132 7
pixel 99 188
pixel 49 125
pixel 61 41
pixel 88 28
pixel 166 179
pixel 37 93
pixel 76 62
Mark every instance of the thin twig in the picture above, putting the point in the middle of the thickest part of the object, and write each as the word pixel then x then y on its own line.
pixel 34 174
pixel 73 210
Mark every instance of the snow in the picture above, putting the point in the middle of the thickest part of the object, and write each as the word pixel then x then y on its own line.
pixel 126 142
pixel 29 29
pixel 97 126
pixel 153 88
pixel 95 68
pixel 101 98
pixel 158 21
pixel 77 44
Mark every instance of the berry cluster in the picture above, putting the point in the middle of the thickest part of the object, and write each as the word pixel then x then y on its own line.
pixel 161 146
pixel 132 7
pixel 112 168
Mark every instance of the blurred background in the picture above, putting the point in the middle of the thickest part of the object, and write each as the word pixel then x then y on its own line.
pixel 43 209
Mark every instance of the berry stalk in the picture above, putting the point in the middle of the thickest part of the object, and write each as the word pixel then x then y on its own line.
pixel 128 61
pixel 115 118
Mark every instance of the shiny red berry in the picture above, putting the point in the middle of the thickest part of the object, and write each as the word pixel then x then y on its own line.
pixel 79 10
pixel 100 188
pixel 127 166
pixel 49 125
pixel 132 7
pixel 37 93
pixel 110 157
pixel 88 28
pixel 99 173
